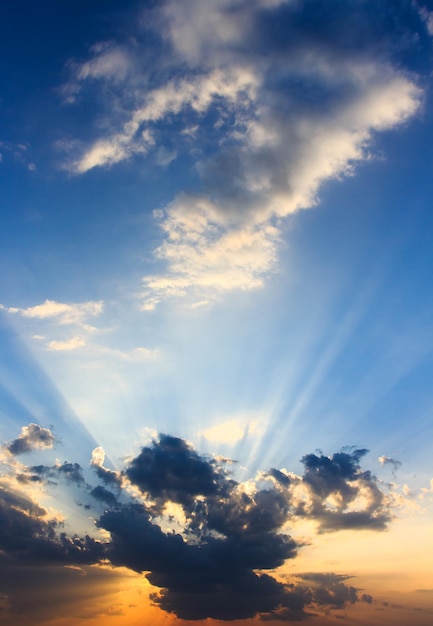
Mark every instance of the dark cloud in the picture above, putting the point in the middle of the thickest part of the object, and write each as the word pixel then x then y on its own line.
pixel 343 496
pixel 32 437
pixel 171 470
pixel 26 535
pixel 209 544
pixel 109 477
pixel 211 578
pixel 367 598
pixel 39 594
pixel 72 472
pixel 214 566
pixel 331 590
pixel 326 475
pixel 104 495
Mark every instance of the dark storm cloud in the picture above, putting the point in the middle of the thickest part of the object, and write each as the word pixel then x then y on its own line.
pixel 213 567
pixel 207 542
pixel 171 470
pixel 38 595
pixel 212 578
pixel 32 437
pixel 26 535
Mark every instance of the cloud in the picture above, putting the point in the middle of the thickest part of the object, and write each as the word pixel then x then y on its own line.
pixel 55 315
pixel 337 493
pixel 32 437
pixel 386 460
pixel 136 355
pixel 426 16
pixel 72 472
pixel 205 257
pixel 69 344
pixel 232 532
pixel 27 535
pixel 171 470
pixel 278 102
pixel 207 543
pixel 104 495
pixel 62 312
pixel 98 456
pixel 232 430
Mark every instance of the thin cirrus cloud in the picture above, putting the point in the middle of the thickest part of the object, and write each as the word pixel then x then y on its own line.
pixel 266 146
pixel 220 563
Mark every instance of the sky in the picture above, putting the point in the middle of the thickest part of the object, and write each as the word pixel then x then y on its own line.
pixel 216 254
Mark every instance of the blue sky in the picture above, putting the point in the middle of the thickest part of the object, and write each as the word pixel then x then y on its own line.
pixel 216 226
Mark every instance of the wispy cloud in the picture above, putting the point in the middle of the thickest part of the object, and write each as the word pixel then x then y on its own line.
pixel 60 312
pixel 69 344
pixel 71 320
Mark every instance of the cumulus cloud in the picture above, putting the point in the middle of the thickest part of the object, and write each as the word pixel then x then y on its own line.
pixel 233 532
pixel 337 493
pixel 208 544
pixel 278 101
pixel 32 437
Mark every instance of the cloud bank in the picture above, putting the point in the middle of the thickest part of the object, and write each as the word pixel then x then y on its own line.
pixel 210 546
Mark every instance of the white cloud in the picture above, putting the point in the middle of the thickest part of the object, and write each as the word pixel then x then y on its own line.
pixel 233 430
pixel 59 312
pixel 207 257
pixel 272 146
pixel 69 344
pixel 233 85
pixel 98 456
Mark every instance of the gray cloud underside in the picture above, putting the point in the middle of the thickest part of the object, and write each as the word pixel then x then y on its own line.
pixel 212 561
pixel 32 437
